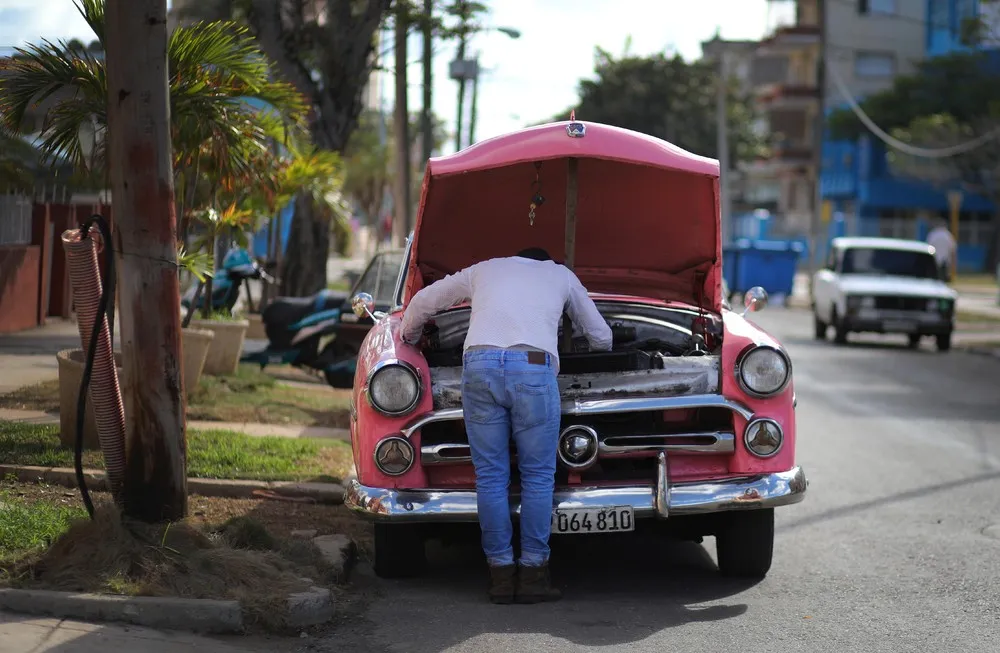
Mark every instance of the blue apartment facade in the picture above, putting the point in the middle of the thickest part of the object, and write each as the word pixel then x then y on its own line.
pixel 868 200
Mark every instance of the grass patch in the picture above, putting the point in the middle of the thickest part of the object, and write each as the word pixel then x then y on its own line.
pixel 210 454
pixel 249 396
pixel 29 526
pixel 339 285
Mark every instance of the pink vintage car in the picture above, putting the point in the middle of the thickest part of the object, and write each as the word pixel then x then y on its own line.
pixel 689 422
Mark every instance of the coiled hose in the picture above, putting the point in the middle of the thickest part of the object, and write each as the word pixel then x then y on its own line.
pixel 94 302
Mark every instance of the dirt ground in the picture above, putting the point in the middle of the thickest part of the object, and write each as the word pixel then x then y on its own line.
pixel 278 516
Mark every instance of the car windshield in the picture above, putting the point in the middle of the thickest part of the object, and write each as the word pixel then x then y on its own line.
pixel 895 262
pixel 379 279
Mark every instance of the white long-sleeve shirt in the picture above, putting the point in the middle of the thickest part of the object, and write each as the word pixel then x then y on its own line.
pixel 515 302
pixel 943 243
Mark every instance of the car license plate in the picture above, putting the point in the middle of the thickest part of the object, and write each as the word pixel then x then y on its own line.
pixel 899 325
pixel 593 520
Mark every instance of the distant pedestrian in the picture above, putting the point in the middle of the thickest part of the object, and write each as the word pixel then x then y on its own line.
pixel 945 248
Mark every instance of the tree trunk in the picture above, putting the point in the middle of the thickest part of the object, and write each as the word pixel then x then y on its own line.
pixel 146 232
pixel 401 127
pixel 426 124
pixel 309 238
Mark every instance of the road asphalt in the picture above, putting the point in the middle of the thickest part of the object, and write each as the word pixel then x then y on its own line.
pixel 895 548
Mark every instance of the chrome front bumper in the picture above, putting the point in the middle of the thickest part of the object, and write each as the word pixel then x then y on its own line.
pixel 662 500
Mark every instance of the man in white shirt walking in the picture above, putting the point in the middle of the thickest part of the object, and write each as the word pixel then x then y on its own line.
pixel 945 249
pixel 509 390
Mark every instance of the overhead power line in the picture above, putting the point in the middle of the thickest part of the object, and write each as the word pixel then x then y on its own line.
pixel 895 143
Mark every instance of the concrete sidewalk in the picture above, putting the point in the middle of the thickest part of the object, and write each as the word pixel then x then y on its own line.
pixel 19 634
pixel 249 428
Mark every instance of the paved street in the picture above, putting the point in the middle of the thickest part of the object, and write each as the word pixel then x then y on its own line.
pixel 896 548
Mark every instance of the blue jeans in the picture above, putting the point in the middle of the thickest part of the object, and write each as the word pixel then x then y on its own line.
pixel 503 397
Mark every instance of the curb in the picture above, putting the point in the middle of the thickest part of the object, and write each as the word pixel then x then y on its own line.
pixel 198 615
pixel 327 493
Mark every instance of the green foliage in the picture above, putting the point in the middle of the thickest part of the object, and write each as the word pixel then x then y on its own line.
pixel 199 264
pixel 26 527
pixel 666 97
pixel 213 68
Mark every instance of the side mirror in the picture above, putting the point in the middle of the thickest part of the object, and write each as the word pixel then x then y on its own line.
pixel 363 304
pixel 755 299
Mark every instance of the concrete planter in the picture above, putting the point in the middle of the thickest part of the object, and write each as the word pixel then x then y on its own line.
pixel 256 330
pixel 195 343
pixel 224 353
pixel 71 363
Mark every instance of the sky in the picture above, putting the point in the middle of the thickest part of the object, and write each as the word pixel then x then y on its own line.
pixel 524 80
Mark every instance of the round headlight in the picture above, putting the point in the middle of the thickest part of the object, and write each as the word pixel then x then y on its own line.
pixel 763 437
pixel 394 455
pixel 394 388
pixel 763 371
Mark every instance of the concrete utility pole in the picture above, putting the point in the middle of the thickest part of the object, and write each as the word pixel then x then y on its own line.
pixel 722 125
pixel 145 236
pixel 460 58
pixel 401 122
pixel 816 223
pixel 426 124
pixel 475 99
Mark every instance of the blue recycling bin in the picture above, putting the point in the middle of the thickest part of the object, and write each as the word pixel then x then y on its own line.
pixel 767 263
pixel 730 266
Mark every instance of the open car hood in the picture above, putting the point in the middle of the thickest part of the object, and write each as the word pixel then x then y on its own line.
pixel 647 212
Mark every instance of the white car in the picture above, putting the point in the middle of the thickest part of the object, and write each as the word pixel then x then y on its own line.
pixel 883 285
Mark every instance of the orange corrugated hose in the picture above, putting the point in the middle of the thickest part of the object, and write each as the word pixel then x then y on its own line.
pixel 94 305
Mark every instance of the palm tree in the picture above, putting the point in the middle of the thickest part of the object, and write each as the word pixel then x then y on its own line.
pixel 214 69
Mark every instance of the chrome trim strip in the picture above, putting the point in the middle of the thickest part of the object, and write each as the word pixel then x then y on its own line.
pixel 381 365
pixel 723 443
pixel 661 502
pixel 431 454
pixel 603 406
pixel 745 493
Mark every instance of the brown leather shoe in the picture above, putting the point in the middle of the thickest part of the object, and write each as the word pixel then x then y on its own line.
pixel 502 584
pixel 535 586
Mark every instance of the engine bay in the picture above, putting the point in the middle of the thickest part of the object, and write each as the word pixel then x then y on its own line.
pixel 643 337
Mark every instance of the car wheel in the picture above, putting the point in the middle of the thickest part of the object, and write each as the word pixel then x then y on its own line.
pixel 819 326
pixel 914 340
pixel 745 544
pixel 399 551
pixel 944 341
pixel 839 330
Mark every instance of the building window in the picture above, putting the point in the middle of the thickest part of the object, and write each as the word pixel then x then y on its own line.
pixel 874 64
pixel 877 7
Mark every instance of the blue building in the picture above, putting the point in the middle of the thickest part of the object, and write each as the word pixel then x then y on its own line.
pixel 868 200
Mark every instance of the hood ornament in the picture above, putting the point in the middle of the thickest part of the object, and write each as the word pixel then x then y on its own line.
pixel 575 129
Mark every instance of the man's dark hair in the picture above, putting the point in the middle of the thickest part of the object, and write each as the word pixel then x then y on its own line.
pixel 536 253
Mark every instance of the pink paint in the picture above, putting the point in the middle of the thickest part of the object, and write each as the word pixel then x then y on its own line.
pixel 648 232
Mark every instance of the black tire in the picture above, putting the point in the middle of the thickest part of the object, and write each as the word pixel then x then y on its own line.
pixel 839 330
pixel 914 340
pixel 399 551
pixel 819 326
pixel 944 341
pixel 744 545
